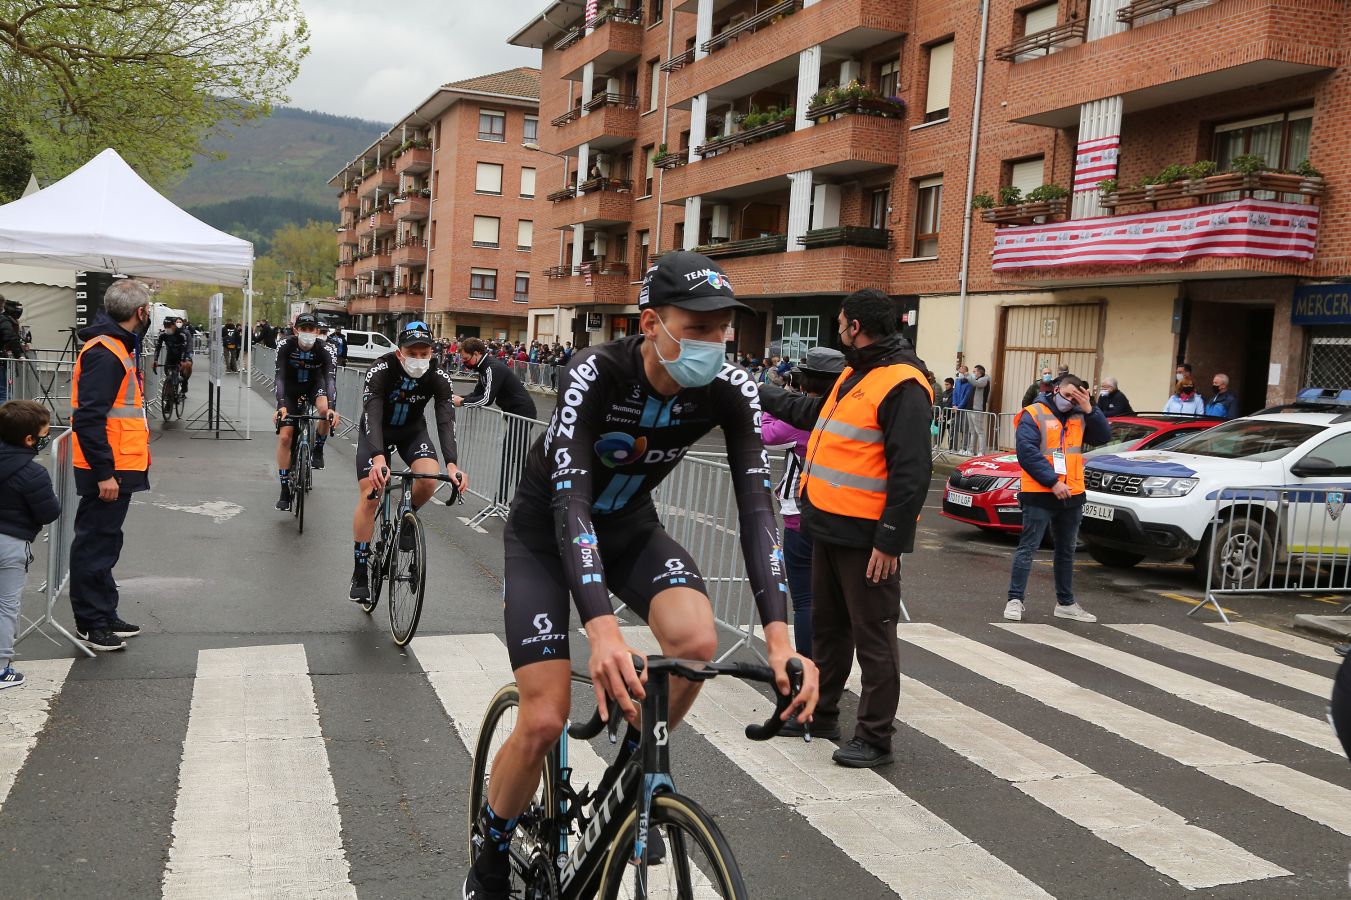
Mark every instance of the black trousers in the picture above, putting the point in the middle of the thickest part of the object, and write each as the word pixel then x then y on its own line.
pixel 850 613
pixel 94 552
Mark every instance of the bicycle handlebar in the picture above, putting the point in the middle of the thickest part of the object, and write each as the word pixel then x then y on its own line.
pixel 702 671
pixel 410 475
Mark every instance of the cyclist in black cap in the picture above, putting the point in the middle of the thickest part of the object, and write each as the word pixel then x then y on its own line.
pixel 306 371
pixel 627 412
pixel 174 342
pixel 398 388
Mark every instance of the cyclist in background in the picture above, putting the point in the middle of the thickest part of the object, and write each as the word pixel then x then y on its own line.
pixel 177 351
pixel 627 412
pixel 306 371
pixel 399 386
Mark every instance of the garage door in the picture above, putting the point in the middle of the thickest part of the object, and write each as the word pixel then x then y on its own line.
pixel 1047 336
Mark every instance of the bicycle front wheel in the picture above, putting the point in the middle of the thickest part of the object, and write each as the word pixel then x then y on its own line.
pixel 166 402
pixel 407 576
pixel 699 861
pixel 302 465
pixel 530 843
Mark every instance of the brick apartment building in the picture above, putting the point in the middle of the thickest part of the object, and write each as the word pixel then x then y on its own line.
pixel 823 146
pixel 437 217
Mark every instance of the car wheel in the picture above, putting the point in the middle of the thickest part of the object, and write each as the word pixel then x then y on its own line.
pixel 1243 555
pixel 1113 558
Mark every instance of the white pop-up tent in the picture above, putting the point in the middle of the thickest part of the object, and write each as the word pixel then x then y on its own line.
pixel 103 217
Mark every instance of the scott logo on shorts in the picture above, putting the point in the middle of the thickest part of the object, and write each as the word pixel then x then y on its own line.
pixel 545 626
pixel 675 573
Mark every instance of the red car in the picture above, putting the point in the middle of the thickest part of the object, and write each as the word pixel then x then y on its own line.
pixel 984 491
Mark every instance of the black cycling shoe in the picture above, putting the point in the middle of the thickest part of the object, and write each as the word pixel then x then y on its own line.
pixel 361 586
pixel 476 889
pixel 284 501
pixel 317 457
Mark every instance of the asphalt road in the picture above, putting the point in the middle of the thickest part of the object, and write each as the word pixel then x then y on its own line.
pixel 1028 763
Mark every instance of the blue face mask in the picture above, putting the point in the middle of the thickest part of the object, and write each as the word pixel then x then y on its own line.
pixel 698 363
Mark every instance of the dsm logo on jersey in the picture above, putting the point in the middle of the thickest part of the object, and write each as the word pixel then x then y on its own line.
pixel 615 449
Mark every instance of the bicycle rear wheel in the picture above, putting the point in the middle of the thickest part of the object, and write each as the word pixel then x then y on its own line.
pixel 407 576
pixel 531 843
pixel 166 401
pixel 699 861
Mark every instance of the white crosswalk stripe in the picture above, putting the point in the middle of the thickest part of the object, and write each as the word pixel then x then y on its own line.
pixel 23 713
pixel 1322 802
pixel 1269 716
pixel 1160 838
pixel 1279 639
pixel 257 812
pixel 911 850
pixel 1299 679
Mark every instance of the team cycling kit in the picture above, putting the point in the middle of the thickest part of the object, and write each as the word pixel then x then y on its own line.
pixel 586 494
pixel 304 374
pixel 394 416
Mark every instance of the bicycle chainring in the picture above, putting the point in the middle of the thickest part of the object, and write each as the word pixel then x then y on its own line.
pixel 541 878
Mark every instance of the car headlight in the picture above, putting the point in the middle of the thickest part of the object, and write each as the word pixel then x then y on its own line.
pixel 1160 486
pixel 1005 483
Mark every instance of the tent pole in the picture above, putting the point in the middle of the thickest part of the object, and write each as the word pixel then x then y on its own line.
pixel 247 384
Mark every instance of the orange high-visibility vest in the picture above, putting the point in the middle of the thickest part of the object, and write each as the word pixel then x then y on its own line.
pixel 128 430
pixel 846 467
pixel 1067 439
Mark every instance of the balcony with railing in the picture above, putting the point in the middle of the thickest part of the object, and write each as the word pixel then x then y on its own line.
pixel 763 49
pixel 595 282
pixel 414 158
pixel 376 221
pixel 1044 43
pixel 1210 49
pixel 615 40
pixel 412 206
pixel 610 121
pixel 345 270
pixel 383 179
pixel 368 263
pixel 411 252
pixel 849 144
pixel 601 203
pixel 348 200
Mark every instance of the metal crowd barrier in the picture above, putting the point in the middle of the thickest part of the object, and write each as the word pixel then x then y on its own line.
pixel 56 544
pixel 538 375
pixel 44 380
pixel 1278 540
pixel 492 449
pixel 965 432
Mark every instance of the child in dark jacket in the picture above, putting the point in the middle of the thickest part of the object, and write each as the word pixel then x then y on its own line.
pixel 27 502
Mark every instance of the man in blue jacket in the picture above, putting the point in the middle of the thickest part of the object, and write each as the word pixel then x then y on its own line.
pixel 1223 404
pixel 1050 441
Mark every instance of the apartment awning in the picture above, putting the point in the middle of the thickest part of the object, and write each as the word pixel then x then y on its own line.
pixel 550 24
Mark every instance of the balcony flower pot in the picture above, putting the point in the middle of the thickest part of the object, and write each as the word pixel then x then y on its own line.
pixel 1027 213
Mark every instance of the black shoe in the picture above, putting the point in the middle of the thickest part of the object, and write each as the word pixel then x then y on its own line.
pixel 859 754
pixel 407 540
pixel 1342 649
pixel 656 847
pixel 284 501
pixel 100 639
pixel 476 888
pixel 124 629
pixel 792 728
pixel 361 586
pixel 317 457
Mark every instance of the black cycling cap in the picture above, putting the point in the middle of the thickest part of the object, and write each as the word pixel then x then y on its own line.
pixel 690 281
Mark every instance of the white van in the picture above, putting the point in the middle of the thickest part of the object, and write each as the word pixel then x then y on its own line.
pixel 365 347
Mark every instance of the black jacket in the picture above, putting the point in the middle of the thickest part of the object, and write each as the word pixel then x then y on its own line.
pixel 1115 404
pixel 497 384
pixel 27 501
pixel 100 377
pixel 904 415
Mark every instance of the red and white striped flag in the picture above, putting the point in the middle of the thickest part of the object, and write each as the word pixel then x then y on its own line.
pixel 591 9
pixel 1095 161
pixel 1255 229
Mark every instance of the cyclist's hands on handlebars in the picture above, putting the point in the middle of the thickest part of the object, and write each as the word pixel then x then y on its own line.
pixel 379 472
pixel 804 704
pixel 279 416
pixel 612 672
pixel 461 480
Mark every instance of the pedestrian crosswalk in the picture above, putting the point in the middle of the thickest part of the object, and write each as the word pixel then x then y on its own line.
pixel 1228 719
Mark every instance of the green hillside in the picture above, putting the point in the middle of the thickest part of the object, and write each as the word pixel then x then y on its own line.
pixel 274 172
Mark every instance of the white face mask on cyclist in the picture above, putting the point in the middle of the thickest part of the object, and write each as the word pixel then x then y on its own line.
pixel 415 368
pixel 306 339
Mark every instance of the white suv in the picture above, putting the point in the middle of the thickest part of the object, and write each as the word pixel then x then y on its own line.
pixel 1160 504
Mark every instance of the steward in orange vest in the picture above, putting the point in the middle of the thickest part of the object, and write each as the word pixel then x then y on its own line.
pixel 1050 442
pixel 868 463
pixel 112 437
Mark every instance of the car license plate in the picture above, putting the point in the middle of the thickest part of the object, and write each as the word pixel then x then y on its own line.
pixel 959 499
pixel 1097 511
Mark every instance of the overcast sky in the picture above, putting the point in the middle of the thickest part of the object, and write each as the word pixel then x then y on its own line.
pixel 377 59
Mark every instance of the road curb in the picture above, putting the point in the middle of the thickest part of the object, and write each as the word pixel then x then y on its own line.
pixel 1333 626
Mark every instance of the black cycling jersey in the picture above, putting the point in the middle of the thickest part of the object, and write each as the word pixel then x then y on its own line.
pixel 612 439
pixel 175 345
pixel 300 372
pixel 393 402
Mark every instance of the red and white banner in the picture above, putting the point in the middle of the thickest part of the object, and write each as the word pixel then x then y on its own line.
pixel 591 9
pixel 1261 229
pixel 1095 161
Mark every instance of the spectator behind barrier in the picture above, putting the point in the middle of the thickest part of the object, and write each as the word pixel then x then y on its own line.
pixel 1111 400
pixel 27 502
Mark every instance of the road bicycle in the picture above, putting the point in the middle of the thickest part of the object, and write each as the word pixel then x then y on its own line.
pixel 399 554
pixel 172 398
pixel 301 477
pixel 570 845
